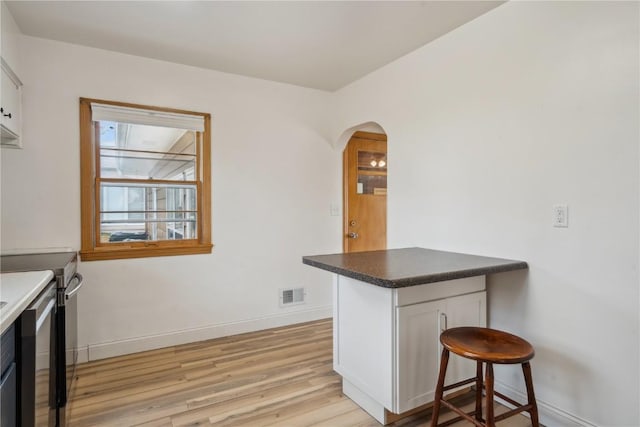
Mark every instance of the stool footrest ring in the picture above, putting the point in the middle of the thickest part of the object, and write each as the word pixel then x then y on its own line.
pixel 459 383
pixel 508 399
pixel 462 415
pixel 513 412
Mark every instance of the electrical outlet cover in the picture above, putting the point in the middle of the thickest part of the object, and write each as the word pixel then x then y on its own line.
pixel 560 216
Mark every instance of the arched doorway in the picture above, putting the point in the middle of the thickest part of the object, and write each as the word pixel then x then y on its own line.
pixel 365 192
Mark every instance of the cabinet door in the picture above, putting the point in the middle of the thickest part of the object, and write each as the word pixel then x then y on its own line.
pixel 418 331
pixel 464 310
pixel 11 104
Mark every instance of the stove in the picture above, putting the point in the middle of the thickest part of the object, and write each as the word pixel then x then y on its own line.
pixel 68 283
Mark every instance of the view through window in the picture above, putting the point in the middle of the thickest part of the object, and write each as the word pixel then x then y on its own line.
pixel 147 209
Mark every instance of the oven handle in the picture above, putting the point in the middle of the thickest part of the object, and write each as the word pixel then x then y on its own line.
pixel 71 293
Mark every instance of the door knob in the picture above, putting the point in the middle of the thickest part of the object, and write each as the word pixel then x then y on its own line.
pixel 352 235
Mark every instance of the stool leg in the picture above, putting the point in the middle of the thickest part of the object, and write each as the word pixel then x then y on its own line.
pixel 444 360
pixel 489 390
pixel 526 370
pixel 479 391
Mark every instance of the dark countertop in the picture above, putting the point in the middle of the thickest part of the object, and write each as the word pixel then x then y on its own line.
pixel 398 268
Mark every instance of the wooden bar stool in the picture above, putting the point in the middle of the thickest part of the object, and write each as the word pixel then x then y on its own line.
pixel 486 346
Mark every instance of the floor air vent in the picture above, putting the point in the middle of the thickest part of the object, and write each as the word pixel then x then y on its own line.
pixel 291 296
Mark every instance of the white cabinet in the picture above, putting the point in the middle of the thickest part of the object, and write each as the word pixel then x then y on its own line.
pixel 418 345
pixel 418 352
pixel 387 341
pixel 10 107
pixel 464 310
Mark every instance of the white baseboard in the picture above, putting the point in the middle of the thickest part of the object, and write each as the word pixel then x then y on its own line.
pixel 152 342
pixel 548 414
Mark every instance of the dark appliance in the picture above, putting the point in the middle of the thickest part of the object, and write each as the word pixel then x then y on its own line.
pixel 8 378
pixel 68 283
pixel 37 357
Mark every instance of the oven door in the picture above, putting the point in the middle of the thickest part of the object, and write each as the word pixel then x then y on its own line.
pixel 71 328
pixel 37 385
pixel 67 343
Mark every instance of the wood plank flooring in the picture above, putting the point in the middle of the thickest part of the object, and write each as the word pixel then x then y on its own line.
pixel 277 377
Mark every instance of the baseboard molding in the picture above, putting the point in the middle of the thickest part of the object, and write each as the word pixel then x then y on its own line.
pixel 549 415
pixel 152 342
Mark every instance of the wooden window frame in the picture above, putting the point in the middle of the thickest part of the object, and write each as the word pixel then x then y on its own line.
pixel 91 248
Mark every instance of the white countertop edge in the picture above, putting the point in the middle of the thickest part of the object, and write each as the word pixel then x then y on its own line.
pixel 18 290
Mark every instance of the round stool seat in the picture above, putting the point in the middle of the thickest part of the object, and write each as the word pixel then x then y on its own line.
pixel 487 345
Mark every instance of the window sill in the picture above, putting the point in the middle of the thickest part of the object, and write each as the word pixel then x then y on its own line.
pixel 106 253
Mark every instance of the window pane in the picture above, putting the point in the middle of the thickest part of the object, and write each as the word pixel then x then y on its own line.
pixel 146 152
pixel 372 173
pixel 131 212
pixel 121 199
pixel 372 161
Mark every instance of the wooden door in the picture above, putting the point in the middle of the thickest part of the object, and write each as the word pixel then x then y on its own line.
pixel 365 192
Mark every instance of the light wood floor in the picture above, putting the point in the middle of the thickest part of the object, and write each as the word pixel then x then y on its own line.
pixel 278 377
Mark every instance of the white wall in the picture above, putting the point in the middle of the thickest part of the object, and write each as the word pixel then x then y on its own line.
pixel 530 105
pixel 274 179
pixel 9 38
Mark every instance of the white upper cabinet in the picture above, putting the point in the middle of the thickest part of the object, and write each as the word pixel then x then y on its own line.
pixel 10 108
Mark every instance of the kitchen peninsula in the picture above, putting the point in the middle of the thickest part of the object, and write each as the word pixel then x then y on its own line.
pixel 389 308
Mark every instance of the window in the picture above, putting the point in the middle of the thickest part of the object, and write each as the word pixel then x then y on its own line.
pixel 145 181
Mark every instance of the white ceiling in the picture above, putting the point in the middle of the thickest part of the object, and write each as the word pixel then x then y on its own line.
pixel 317 44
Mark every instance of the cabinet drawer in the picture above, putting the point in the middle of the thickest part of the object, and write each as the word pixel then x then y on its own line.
pixel 439 290
pixel 7 348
